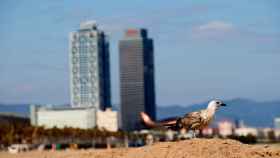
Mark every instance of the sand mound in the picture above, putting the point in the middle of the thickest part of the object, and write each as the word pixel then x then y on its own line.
pixel 195 148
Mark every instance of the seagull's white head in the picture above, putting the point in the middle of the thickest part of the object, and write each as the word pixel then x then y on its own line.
pixel 215 104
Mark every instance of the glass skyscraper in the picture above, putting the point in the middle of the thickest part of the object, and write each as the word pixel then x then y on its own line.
pixel 89 67
pixel 136 78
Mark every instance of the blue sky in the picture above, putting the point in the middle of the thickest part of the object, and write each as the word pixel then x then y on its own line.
pixel 203 49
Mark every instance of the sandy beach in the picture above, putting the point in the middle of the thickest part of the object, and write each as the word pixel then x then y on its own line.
pixel 195 148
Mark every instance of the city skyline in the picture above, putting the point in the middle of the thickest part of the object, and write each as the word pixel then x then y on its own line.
pixel 89 83
pixel 203 50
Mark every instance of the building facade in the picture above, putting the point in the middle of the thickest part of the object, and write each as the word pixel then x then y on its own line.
pixel 226 128
pixel 77 117
pixel 277 123
pixel 245 131
pixel 107 119
pixel 89 85
pixel 89 67
pixel 49 117
pixel 137 83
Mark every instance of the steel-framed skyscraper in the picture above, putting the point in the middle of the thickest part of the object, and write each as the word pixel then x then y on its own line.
pixel 89 67
pixel 136 78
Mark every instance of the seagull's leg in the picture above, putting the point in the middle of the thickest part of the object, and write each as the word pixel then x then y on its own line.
pixel 200 135
pixel 194 134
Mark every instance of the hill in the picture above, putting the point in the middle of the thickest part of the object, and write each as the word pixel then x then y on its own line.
pixel 194 148
pixel 259 114
pixel 15 109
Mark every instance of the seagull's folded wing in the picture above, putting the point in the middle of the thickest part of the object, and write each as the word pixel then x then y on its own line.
pixel 191 120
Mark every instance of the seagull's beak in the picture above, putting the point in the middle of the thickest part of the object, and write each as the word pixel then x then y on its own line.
pixel 223 104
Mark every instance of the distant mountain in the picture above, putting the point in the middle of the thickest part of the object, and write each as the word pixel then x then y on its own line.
pixel 258 114
pixel 15 109
pixel 19 109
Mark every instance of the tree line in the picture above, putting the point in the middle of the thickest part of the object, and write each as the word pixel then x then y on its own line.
pixel 14 131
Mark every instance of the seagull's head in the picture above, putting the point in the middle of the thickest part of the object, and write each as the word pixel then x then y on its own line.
pixel 215 104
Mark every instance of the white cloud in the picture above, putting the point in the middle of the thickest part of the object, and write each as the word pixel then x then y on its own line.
pixel 216 26
pixel 218 30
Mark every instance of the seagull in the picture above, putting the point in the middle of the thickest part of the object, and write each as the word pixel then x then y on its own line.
pixel 191 121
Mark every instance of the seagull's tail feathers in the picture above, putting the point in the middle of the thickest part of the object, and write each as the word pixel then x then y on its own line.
pixel 169 123
pixel 147 120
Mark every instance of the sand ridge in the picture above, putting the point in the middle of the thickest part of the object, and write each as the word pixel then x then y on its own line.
pixel 194 148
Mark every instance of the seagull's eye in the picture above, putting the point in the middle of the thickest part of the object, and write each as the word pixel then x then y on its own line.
pixel 217 102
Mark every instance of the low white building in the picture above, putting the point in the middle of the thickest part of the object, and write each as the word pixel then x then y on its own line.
pixel 63 117
pixel 107 119
pixel 277 133
pixel 266 131
pixel 78 117
pixel 244 131
pixel 225 128
pixel 208 131
pixel 277 123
